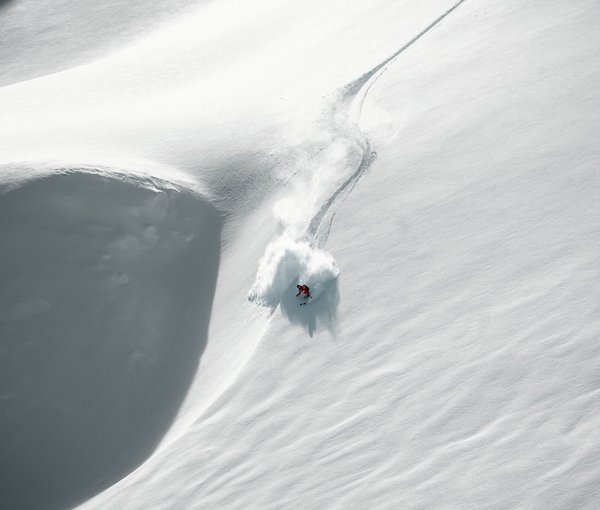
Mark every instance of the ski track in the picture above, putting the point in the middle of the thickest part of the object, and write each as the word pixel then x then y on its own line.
pixel 320 224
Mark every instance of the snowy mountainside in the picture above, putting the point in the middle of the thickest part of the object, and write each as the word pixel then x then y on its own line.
pixel 433 167
pixel 461 371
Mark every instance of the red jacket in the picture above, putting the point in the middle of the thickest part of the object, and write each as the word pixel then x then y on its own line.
pixel 304 290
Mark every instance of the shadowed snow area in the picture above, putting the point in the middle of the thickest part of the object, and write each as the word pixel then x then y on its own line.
pixel 107 288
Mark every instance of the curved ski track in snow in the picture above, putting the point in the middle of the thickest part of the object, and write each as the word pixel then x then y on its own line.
pixel 345 119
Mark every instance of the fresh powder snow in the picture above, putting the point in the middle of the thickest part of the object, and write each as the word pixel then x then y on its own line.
pixel 170 171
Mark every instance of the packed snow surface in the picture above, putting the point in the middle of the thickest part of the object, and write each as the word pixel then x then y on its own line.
pixel 170 171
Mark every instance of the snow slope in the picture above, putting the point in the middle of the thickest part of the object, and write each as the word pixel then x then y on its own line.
pixel 441 156
pixel 40 37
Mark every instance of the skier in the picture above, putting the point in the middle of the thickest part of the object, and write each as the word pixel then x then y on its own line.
pixel 305 291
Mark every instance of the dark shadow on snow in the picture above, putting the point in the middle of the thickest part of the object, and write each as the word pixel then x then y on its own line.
pixel 105 300
pixel 320 311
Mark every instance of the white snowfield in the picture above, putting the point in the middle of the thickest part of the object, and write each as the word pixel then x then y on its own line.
pixel 169 171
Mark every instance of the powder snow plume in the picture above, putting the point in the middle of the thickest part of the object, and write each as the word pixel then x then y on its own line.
pixel 286 262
